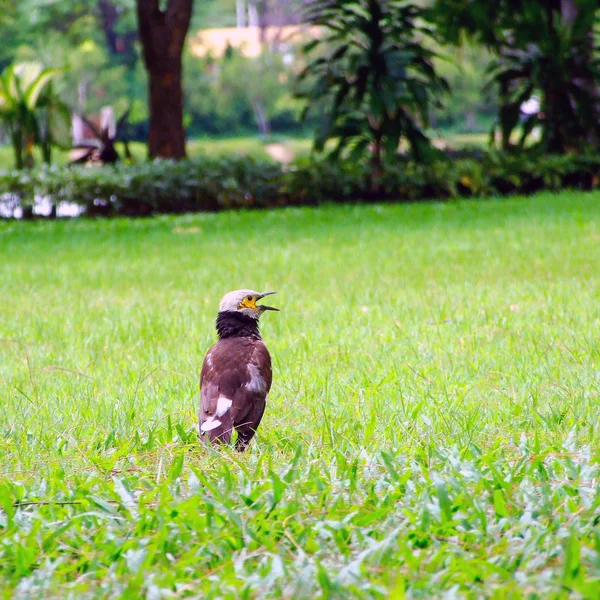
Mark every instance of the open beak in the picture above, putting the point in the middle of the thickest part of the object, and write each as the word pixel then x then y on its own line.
pixel 263 307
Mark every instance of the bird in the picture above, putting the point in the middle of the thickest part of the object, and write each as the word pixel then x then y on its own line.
pixel 236 372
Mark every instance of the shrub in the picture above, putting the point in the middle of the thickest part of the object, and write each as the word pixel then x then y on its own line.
pixel 211 184
pixel 372 79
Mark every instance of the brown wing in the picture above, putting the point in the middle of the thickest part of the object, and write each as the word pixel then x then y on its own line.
pixel 250 401
pixel 236 377
pixel 220 378
pixel 255 388
pixel 223 373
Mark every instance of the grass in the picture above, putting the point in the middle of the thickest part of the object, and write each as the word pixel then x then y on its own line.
pixel 294 147
pixel 432 429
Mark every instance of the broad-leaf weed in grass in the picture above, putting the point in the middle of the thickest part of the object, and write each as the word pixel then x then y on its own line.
pixel 432 429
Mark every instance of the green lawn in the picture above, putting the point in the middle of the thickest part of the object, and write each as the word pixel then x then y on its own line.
pixel 433 426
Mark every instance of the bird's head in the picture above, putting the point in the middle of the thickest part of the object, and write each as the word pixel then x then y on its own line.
pixel 244 302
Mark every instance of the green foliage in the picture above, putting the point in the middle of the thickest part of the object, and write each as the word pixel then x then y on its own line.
pixel 31 112
pixel 480 19
pixel 432 430
pixel 373 81
pixel 238 93
pixel 545 55
pixel 111 22
pixel 163 186
pixel 544 49
pixel 221 98
pixel 468 108
pixel 70 34
pixel 210 183
pixel 102 64
pixel 11 31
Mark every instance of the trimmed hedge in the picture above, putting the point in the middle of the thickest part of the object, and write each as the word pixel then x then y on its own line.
pixel 211 184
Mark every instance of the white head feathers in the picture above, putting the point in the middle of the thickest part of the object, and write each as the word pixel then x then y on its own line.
pixel 244 301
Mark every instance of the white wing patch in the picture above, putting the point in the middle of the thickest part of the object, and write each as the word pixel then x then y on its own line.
pixel 210 424
pixel 223 405
pixel 257 383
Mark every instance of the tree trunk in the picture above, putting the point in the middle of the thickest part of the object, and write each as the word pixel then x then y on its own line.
pixel 166 137
pixel 162 34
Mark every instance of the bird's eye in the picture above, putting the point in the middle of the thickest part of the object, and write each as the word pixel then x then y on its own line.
pixel 249 298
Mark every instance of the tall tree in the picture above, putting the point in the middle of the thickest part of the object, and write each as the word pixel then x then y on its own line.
pixel 163 33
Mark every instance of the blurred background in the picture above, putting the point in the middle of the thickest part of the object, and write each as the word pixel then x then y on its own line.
pixel 374 83
pixel 240 62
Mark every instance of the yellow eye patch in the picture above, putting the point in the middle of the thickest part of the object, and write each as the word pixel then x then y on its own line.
pixel 248 302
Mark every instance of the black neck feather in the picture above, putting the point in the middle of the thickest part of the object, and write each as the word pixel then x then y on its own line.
pixel 233 324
